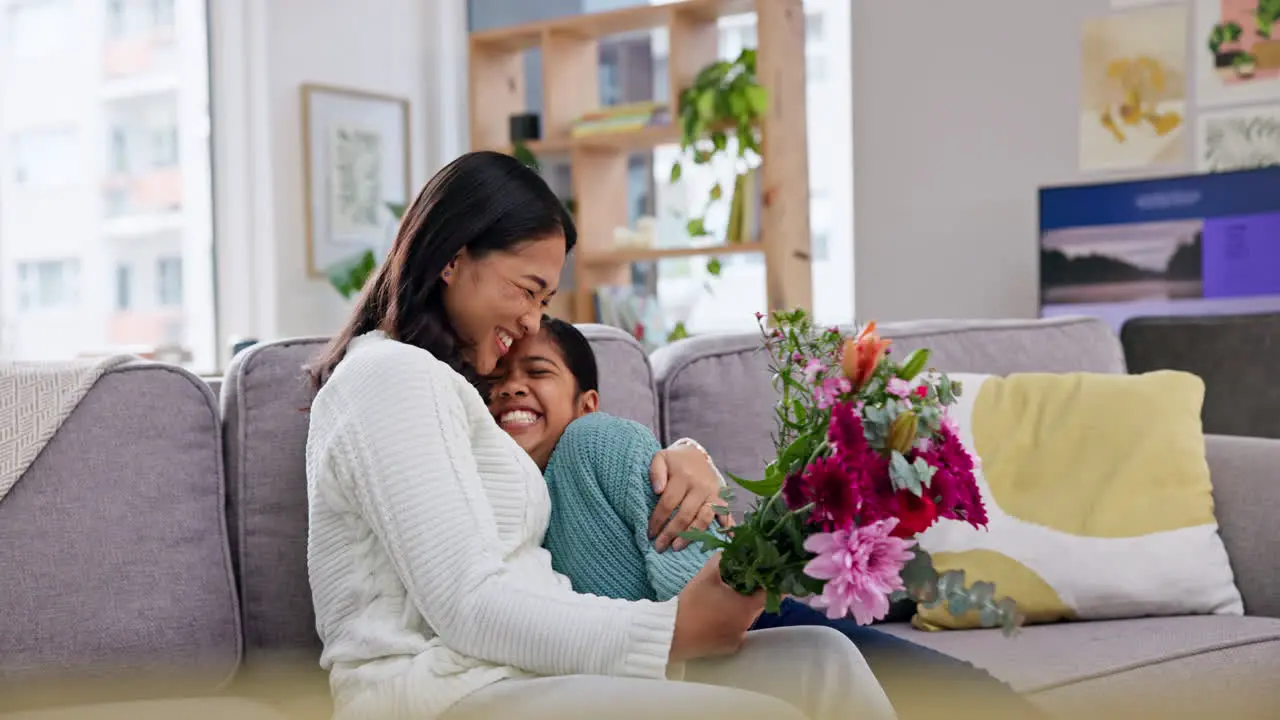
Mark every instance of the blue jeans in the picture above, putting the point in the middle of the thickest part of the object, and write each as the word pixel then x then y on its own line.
pixel 920 682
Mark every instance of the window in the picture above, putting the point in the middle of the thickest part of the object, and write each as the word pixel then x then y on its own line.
pixel 124 287
pixel 164 147
pixel 48 284
pixel 45 158
pixel 105 216
pixel 813 28
pixel 169 281
pixel 116 19
pixel 162 13
pixel 38 28
pixel 118 162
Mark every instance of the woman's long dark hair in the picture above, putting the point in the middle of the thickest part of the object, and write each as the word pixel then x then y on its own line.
pixel 482 202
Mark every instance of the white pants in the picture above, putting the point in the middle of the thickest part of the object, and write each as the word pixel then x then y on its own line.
pixel 793 673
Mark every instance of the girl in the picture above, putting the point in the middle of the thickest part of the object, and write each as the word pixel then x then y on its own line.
pixel 432 592
pixel 546 396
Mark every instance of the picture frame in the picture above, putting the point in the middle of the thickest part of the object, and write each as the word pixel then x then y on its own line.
pixel 356 165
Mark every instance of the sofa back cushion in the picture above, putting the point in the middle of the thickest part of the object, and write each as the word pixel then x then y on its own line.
pixel 717 389
pixel 113 545
pixel 264 397
pixel 1236 356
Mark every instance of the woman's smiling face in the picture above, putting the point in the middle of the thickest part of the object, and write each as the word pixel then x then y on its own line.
pixel 534 396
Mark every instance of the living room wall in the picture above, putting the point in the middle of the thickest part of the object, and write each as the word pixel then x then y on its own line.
pixel 960 114
pixel 265 52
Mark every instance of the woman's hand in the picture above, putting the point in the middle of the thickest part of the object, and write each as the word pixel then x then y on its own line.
pixel 711 617
pixel 688 486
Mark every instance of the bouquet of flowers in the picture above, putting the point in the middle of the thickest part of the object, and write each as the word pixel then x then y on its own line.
pixel 867 458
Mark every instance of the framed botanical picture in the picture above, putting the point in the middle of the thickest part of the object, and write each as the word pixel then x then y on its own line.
pixel 356 170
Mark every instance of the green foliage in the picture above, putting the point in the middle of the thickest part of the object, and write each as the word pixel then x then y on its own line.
pixel 1222 34
pixel 1267 14
pixel 931 589
pixel 348 277
pixel 725 97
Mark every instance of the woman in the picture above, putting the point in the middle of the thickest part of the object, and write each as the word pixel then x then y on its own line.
pixel 545 394
pixel 432 592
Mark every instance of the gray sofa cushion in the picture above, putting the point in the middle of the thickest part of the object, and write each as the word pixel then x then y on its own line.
pixel 1069 668
pixel 264 397
pixel 1236 356
pixel 716 389
pixel 113 546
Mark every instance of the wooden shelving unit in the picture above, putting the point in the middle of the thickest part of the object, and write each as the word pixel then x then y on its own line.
pixel 598 163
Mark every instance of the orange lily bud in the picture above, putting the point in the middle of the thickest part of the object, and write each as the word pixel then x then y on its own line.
pixel 860 356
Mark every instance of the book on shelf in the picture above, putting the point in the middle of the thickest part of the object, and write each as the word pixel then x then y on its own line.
pixel 621 118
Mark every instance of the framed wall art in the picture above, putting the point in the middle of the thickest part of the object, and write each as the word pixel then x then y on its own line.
pixel 356 170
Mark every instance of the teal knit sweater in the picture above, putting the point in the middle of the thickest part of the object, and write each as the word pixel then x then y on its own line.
pixel 601 500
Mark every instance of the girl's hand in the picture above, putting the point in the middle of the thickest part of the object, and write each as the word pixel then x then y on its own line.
pixel 688 485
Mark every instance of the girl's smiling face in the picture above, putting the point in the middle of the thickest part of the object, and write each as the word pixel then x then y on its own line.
pixel 534 395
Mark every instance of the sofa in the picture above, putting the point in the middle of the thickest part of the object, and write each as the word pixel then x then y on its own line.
pixel 152 559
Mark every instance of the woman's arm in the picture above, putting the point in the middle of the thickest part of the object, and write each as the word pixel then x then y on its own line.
pixel 409 465
pixel 613 455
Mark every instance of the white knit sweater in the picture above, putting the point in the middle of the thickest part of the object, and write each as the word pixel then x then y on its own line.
pixel 425 548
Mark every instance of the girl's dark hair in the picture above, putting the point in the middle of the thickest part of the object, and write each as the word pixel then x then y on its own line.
pixel 576 350
pixel 482 202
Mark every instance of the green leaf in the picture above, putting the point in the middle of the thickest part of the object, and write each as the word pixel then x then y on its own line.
pixel 757 99
pixel 903 475
pixel 676 170
pixel 914 363
pixel 397 209
pixel 706 105
pixel 719 140
pixel 696 228
pixel 714 266
pixel 716 191
pixel 763 488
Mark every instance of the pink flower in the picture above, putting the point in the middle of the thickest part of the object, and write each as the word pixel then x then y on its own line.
pixel 829 392
pixel 862 567
pixel 811 370
pixel 898 388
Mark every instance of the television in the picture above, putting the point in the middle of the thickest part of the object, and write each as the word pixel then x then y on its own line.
pixel 1189 245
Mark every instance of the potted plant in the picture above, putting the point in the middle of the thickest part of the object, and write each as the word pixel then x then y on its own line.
pixel 725 97
pixel 1224 34
pixel 1266 15
pixel 1245 65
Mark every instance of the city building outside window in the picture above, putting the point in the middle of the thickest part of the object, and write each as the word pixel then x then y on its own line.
pixel 104 199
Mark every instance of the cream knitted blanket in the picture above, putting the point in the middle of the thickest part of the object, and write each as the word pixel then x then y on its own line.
pixel 35 399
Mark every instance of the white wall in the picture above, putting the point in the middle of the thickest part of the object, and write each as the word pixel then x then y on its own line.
pixel 265 51
pixel 960 114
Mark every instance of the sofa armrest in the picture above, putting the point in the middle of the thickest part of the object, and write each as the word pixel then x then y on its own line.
pixel 1246 490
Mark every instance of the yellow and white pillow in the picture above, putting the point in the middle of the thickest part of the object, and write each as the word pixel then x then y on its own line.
pixel 1098 495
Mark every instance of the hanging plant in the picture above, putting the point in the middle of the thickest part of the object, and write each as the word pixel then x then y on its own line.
pixel 725 97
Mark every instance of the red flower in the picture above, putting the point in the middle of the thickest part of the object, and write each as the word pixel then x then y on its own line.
pixel 827 486
pixel 953 485
pixel 915 514
pixel 922 391
pixel 866 468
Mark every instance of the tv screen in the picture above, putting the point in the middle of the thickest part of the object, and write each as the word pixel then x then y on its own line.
pixel 1190 245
